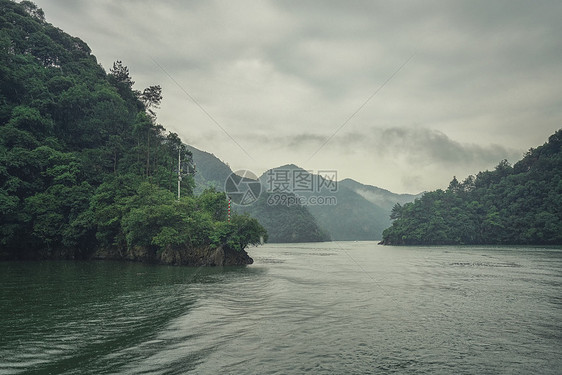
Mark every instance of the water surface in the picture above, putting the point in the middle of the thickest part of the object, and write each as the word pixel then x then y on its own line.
pixel 327 308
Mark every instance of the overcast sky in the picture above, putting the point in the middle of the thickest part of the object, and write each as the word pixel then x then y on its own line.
pixel 398 94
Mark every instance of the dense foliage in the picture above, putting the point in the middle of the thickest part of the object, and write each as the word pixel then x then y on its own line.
pixel 519 204
pixel 83 162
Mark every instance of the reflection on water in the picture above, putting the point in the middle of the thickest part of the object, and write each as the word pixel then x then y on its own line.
pixel 325 308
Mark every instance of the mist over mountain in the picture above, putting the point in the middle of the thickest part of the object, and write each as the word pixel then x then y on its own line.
pixel 211 172
pixel 314 207
pixel 284 223
pixel 347 210
pixel 378 196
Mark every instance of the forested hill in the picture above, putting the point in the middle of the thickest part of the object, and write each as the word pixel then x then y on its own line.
pixel 284 223
pixel 211 172
pixel 519 204
pixel 84 164
pixel 346 210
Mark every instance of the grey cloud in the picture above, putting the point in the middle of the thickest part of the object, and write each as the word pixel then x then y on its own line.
pixel 457 38
pixel 418 146
pixel 303 141
pixel 432 146
pixel 412 182
pixel 281 76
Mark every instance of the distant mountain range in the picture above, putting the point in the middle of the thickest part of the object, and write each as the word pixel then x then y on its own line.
pixel 299 206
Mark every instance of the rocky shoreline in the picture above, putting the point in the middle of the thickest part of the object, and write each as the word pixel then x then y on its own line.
pixel 195 257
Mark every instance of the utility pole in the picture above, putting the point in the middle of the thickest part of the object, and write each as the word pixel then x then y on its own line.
pixel 179 172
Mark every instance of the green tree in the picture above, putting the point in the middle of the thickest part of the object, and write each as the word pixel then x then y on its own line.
pixel 510 205
pixel 83 163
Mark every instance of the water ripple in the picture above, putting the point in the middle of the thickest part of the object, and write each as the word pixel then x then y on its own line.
pixel 299 309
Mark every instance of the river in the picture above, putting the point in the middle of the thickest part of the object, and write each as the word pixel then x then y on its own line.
pixel 322 308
